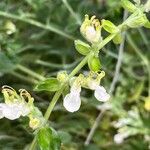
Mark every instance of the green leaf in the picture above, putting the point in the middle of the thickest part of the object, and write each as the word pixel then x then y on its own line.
pixel 82 47
pixel 126 4
pixel 48 139
pixel 94 63
pixel 50 84
pixel 109 26
pixel 118 38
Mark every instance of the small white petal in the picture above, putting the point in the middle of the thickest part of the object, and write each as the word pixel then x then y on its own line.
pixel 122 122
pixel 90 33
pixel 11 112
pixel 101 94
pixel 72 102
pixel 118 138
pixel 1 110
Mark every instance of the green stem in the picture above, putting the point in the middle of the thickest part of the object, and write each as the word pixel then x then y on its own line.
pixel 63 66
pixel 145 40
pixel 36 23
pixel 72 12
pixel 22 77
pixel 143 58
pixel 30 72
pixel 106 40
pixel 33 144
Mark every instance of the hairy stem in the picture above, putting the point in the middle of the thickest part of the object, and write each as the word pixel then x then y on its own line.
pixel 145 40
pixel 71 11
pixel 120 57
pixel 36 23
pixel 30 72
pixel 143 58
pixel 22 77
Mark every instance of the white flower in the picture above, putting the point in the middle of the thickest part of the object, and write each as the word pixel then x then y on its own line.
pixel 100 92
pixel 119 138
pixel 91 29
pixel 122 122
pixel 90 33
pixel 13 111
pixel 72 100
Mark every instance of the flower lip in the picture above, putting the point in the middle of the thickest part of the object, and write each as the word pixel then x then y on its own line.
pixel 99 91
pixel 72 100
pixel 13 111
pixel 101 94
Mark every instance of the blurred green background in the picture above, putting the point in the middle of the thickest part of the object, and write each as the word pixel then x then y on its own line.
pixel 37 39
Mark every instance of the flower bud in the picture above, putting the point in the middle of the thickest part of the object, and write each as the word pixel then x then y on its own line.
pixel 10 27
pixel 82 47
pixel 94 63
pixel 62 76
pixel 91 29
pixel 34 123
pixel 109 26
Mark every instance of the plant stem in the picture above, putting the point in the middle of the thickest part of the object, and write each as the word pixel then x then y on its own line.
pixel 22 77
pixel 143 58
pixel 63 66
pixel 106 40
pixel 33 144
pixel 88 139
pixel 36 23
pixel 120 58
pixel 145 40
pixel 71 11
pixel 30 72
